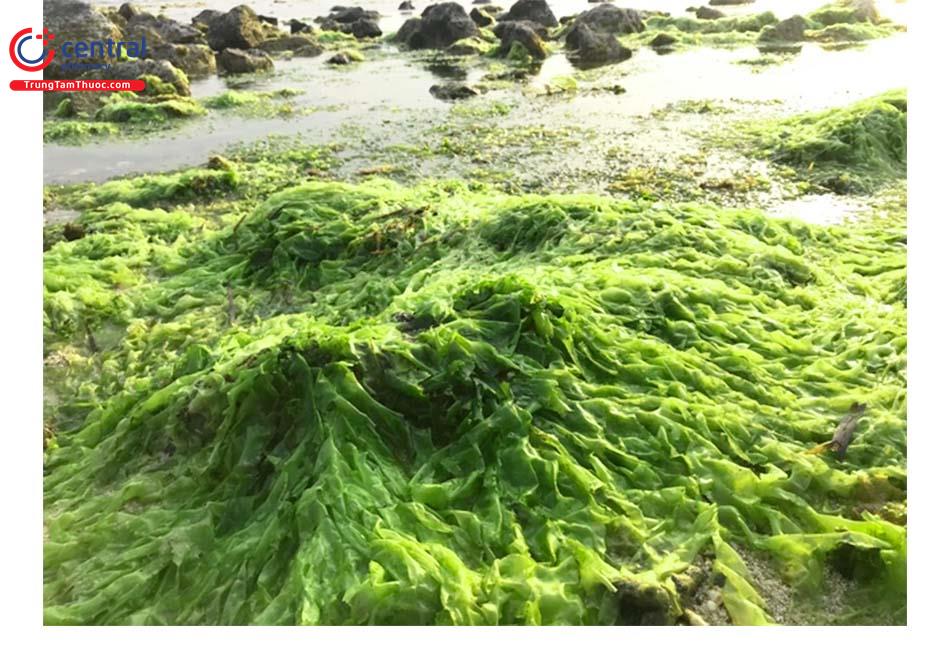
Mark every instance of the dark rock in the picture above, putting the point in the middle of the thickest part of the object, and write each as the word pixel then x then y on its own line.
pixel 587 47
pixel 349 15
pixel 719 3
pixel 406 6
pixel 440 25
pixel 168 30
pixel 511 32
pixel 611 19
pixel 73 21
pixel 708 13
pixel 534 10
pixel 299 45
pixel 340 58
pixel 128 10
pixel 73 231
pixel 480 18
pixel 203 19
pixel 355 21
pixel 298 26
pixel 492 10
pixel 453 90
pixel 238 29
pixel 270 20
pixel 790 30
pixel 138 68
pixel 235 61
pixel 481 2
pixel 194 59
pixel 365 28
pixel 662 40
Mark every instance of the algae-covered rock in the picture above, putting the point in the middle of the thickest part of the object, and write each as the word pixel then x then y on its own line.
pixel 846 11
pixel 345 57
pixel 239 29
pixel 522 33
pixel 468 47
pixel 195 60
pixel 298 44
pixel 137 111
pixel 140 68
pixel 234 61
pixel 662 41
pixel 790 30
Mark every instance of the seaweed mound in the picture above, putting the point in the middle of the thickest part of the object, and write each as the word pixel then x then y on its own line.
pixel 379 404
pixel 847 149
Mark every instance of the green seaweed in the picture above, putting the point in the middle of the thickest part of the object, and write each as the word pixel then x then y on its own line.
pixel 120 108
pixel 75 131
pixel 384 404
pixel 851 149
pixel 255 103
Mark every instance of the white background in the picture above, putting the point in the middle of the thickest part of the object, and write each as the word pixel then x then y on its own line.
pixel 21 160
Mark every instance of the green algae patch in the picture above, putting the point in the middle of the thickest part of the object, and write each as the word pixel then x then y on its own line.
pixel 384 404
pixel 852 33
pixel 766 60
pixel 725 32
pixel 80 119
pixel 255 103
pixel 846 150
pixel 139 112
pixel 848 21
pixel 152 189
pixel 76 131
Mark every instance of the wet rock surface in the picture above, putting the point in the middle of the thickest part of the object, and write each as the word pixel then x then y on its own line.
pixel 235 61
pixel 480 18
pixel 139 68
pixel 298 44
pixel 611 20
pixel 453 91
pixel 523 33
pixel 536 11
pixel 239 29
pixel 195 60
pixel 790 30
pixel 298 27
pixel 72 21
pixel 588 47
pixel 439 26
pixel 708 13
pixel 356 21
pixel 166 29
